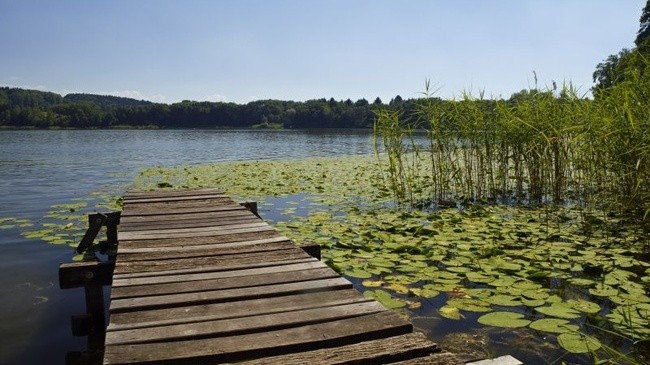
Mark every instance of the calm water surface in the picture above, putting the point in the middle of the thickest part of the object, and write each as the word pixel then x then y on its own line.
pixel 41 168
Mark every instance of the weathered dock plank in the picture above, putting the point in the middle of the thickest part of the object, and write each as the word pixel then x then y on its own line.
pixel 266 343
pixel 172 193
pixel 225 260
pixel 215 311
pixel 191 223
pixel 234 326
pixel 203 269
pixel 148 211
pixel 174 277
pixel 241 294
pixel 297 275
pixel 171 244
pixel 381 351
pixel 199 279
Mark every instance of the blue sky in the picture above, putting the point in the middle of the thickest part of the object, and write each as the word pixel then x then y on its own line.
pixel 243 50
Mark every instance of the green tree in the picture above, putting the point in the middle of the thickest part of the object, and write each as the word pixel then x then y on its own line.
pixel 628 63
pixel 643 35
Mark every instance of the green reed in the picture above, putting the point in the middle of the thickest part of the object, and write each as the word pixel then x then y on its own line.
pixel 542 146
pixel 401 173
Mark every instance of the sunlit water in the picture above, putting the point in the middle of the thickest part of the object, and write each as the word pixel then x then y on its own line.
pixel 41 168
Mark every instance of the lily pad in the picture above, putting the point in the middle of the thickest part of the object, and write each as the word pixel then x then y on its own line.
pixel 532 302
pixel 480 293
pixel 504 300
pixel 478 277
pixel 425 292
pixel 603 291
pixel 399 288
pixel 526 285
pixel 559 310
pixel 358 273
pixel 470 305
pixel 553 325
pixel 503 281
pixel 581 281
pixel 450 312
pixel 535 293
pixel 372 283
pixel 384 298
pixel 584 306
pixel 577 343
pixel 504 319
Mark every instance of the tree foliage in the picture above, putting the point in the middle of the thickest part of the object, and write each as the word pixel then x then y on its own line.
pixel 32 108
pixel 628 63
pixel 105 102
pixel 643 35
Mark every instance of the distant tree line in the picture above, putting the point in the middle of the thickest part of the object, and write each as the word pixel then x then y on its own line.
pixel 20 108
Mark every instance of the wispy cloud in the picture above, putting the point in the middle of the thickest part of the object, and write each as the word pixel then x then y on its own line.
pixel 15 81
pixel 136 94
pixel 216 97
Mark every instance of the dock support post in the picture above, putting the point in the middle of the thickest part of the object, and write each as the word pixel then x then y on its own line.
pixel 92 276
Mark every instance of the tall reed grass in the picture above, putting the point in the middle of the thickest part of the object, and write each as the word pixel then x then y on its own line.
pixel 541 146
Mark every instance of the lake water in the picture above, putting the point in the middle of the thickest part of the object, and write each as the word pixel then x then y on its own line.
pixel 41 168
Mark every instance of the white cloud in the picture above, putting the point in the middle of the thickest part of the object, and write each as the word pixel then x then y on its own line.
pixel 135 94
pixel 158 98
pixel 216 97
pixel 14 82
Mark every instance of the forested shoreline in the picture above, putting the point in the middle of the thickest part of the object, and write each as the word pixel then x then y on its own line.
pixel 23 108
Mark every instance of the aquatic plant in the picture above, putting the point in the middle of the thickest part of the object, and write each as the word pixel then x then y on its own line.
pixel 541 146
pixel 540 266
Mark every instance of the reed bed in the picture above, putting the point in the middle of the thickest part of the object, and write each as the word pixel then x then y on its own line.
pixel 541 146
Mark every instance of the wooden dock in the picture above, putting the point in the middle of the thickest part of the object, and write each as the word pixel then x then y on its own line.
pixel 200 279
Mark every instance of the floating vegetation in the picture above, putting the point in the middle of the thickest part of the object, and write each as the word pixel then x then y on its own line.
pixel 66 223
pixel 504 319
pixel 11 223
pixel 537 268
pixel 578 343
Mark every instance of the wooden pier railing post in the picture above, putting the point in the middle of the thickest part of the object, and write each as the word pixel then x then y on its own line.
pixel 252 206
pixel 312 249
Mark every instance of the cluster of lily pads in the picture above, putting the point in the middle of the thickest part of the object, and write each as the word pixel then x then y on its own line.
pixel 561 271
pixel 64 223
